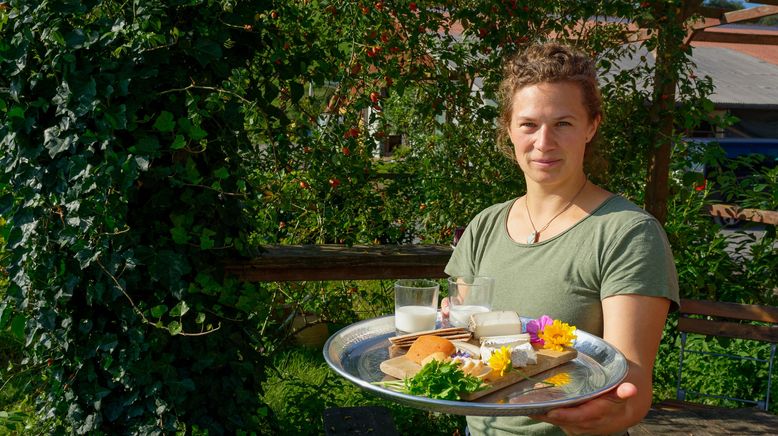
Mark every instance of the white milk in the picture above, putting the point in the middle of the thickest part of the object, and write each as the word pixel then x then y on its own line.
pixel 410 319
pixel 459 315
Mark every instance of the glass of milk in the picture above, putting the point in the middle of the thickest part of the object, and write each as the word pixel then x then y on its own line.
pixel 468 295
pixel 415 305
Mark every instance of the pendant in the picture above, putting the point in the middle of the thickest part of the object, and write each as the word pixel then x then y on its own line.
pixel 532 238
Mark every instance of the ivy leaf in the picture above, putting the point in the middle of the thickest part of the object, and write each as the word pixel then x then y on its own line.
pixel 6 203
pixel 55 141
pixel 178 142
pixel 5 314
pixel 86 256
pixel 142 162
pixel 197 133
pixel 174 328
pixel 179 309
pixel 180 235
pixel 158 311
pixel 17 326
pixel 165 122
pixel 221 173
pixel 16 112
pixel 206 240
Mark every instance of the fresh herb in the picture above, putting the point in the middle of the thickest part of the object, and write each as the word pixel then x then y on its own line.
pixel 439 380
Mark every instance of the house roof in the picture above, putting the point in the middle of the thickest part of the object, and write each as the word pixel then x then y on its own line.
pixel 743 76
pixel 765 52
pixel 740 79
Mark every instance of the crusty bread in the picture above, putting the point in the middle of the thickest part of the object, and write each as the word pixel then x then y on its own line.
pixel 426 345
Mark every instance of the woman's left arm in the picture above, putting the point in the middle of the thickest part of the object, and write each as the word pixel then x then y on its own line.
pixel 633 324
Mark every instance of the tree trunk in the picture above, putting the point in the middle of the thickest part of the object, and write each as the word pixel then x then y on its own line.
pixel 671 34
pixel 665 80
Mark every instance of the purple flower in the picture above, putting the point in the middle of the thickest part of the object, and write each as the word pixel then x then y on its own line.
pixel 461 354
pixel 536 326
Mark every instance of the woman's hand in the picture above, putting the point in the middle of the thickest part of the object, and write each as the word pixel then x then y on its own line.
pixel 633 324
pixel 595 416
pixel 444 308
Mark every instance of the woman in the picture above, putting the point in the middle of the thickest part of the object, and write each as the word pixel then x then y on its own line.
pixel 568 248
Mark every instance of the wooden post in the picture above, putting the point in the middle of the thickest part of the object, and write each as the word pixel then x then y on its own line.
pixel 665 79
pixel 670 28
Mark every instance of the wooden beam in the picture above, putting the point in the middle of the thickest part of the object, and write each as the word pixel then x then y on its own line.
pixel 753 215
pixel 751 312
pixel 735 38
pixel 767 2
pixel 729 329
pixel 338 262
pixel 748 14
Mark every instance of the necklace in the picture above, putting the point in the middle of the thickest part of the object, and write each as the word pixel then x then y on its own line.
pixel 533 237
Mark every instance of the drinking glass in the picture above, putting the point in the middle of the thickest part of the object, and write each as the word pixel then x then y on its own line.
pixel 468 295
pixel 415 305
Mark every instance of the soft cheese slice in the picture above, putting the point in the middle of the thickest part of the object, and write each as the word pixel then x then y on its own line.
pixel 523 355
pixel 498 323
pixel 506 340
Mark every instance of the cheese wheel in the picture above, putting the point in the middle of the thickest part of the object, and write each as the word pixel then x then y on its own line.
pixel 426 345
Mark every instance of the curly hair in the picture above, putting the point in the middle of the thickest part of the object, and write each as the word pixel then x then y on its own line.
pixel 544 63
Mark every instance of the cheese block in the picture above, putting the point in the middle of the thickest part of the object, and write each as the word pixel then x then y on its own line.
pixel 498 323
pixel 523 355
pixel 506 340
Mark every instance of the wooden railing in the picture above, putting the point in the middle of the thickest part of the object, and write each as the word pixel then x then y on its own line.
pixel 734 212
pixel 285 263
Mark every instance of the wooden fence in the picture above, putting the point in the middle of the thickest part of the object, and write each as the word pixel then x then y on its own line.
pixel 281 263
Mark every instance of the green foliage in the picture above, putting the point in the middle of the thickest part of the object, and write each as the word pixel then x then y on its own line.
pixel 739 266
pixel 301 387
pixel 713 375
pixel 746 379
pixel 121 136
pixel 17 386
pixel 443 380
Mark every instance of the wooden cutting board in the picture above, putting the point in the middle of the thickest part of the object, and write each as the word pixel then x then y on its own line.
pixel 400 367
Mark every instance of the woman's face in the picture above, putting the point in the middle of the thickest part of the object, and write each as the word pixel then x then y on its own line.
pixel 549 130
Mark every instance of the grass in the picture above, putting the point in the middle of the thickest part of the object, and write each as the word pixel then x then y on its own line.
pixel 301 387
pixel 16 403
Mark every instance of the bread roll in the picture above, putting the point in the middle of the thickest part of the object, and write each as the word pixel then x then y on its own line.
pixel 426 345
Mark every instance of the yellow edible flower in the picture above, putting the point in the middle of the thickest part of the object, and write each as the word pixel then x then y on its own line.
pixel 500 361
pixel 558 335
pixel 560 379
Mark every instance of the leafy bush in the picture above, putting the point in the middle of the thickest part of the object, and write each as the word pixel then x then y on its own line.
pixel 301 387
pixel 121 137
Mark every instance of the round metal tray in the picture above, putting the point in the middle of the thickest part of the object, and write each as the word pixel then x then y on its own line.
pixel 355 352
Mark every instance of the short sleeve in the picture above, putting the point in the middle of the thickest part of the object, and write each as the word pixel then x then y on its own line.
pixel 640 262
pixel 462 261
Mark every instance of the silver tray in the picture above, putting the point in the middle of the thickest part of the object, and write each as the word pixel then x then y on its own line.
pixel 355 352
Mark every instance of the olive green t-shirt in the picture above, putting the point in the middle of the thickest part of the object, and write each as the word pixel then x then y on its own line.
pixel 619 249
